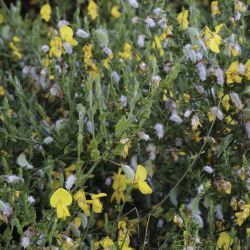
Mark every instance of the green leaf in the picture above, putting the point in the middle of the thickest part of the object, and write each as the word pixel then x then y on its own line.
pixel 93 144
pixel 22 161
pixel 121 126
pixel 84 220
pixel 102 37
pixel 95 154
pixel 169 80
pixel 6 31
pixel 130 174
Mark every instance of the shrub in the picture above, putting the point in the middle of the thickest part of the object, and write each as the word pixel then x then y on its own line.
pixel 124 124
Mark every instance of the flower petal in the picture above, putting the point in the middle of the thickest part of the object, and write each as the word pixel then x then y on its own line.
pixel 60 195
pixel 59 211
pixel 96 196
pixel 144 187
pixel 97 206
pixel 141 173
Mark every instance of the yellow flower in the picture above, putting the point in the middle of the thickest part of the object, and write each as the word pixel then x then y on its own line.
pixel 233 73
pixel 211 116
pixel 195 122
pixel 15 51
pixel 178 220
pixel 45 12
pixel 233 203
pixel 87 49
pixel 1 91
pixel 224 241
pixel 247 69
pixel 1 18
pixel 186 97
pixel 225 102
pixel 212 39
pixel 77 221
pixel 183 19
pixel 107 60
pixel 239 6
pixel 80 198
pixel 127 146
pixel 140 180
pixel 16 39
pixel 119 185
pixel 215 8
pixel 89 65
pixel 123 235
pixel 105 63
pixel 127 53
pixel 107 243
pixel 235 49
pixel 69 170
pixel 60 199
pixel 56 47
pixel 92 10
pixel 224 186
pixel 243 215
pixel 229 120
pixel 46 62
pixel 115 12
pixel 157 44
pixel 96 203
pixel 66 33
pixel 123 241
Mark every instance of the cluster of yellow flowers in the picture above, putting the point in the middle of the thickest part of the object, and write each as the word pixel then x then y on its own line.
pixel 56 43
pixel 126 54
pixel 212 39
pixel 223 186
pixel 120 183
pixel 215 8
pixel 92 10
pixel 125 230
pixel 183 19
pixel 224 241
pixel 124 235
pixel 61 43
pixel 56 47
pixel 243 214
pixel 89 64
pixel 236 71
pixel 14 47
pixel 61 199
pixel 46 11
pixel 67 33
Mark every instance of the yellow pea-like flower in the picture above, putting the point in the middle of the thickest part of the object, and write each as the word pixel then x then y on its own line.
pixel 67 33
pixel 224 241
pixel 233 73
pixel 212 39
pixel 60 200
pixel 92 10
pixel 45 12
pixel 183 19
pixel 115 12
pixel 140 180
pixel 215 8
pixel 96 203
